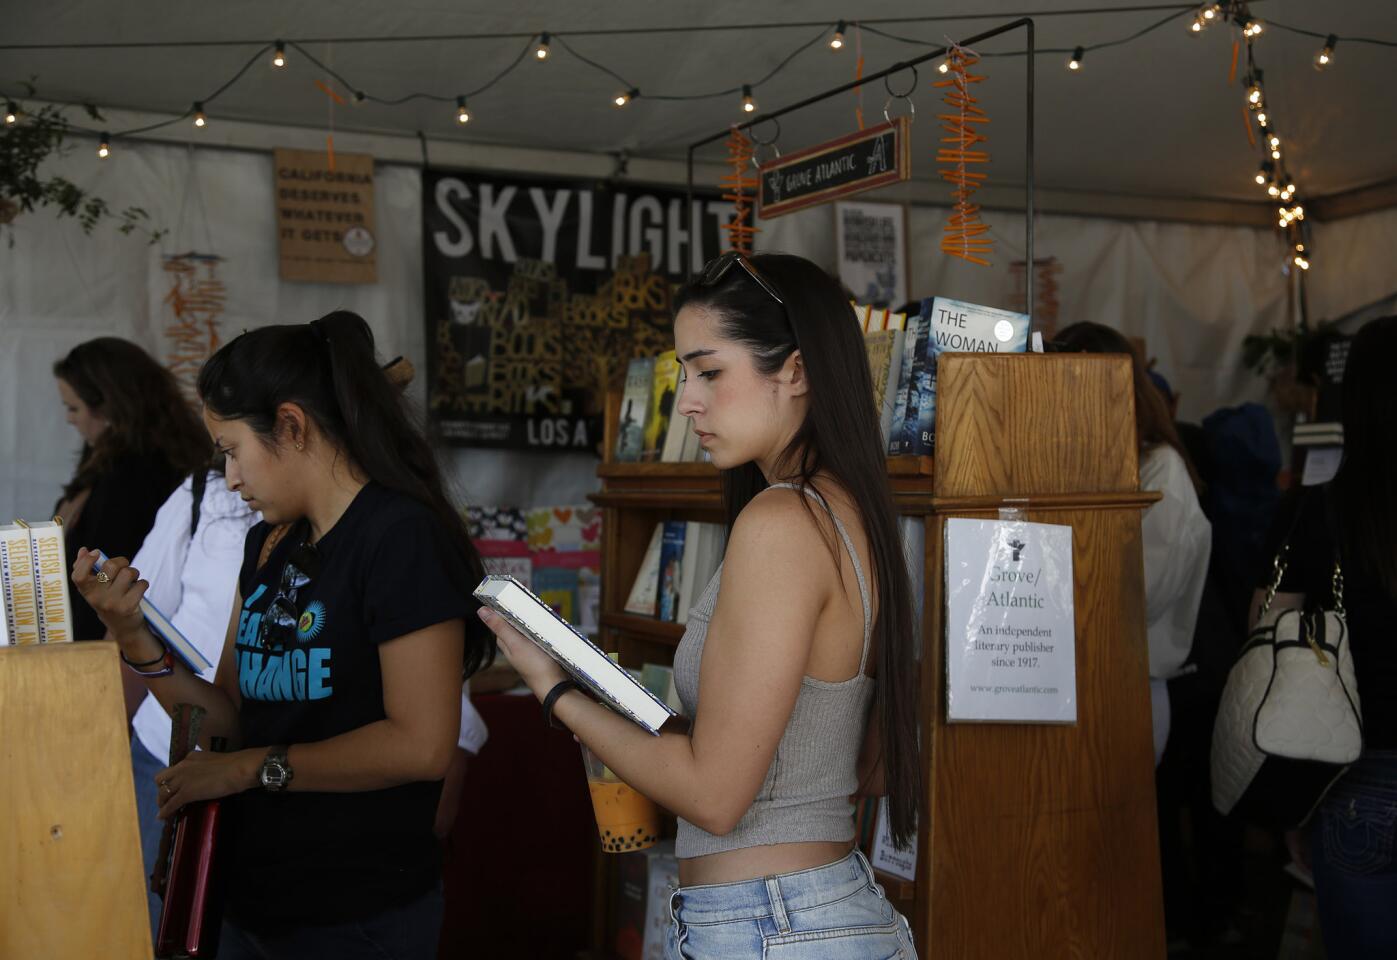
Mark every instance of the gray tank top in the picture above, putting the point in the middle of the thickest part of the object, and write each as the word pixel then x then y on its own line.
pixel 805 795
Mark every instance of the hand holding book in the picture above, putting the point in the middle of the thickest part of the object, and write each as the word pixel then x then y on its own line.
pixel 114 593
pixel 536 668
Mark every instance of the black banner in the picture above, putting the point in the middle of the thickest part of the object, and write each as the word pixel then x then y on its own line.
pixel 539 292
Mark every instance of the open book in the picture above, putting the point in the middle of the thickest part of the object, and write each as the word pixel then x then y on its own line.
pixel 166 632
pixel 581 658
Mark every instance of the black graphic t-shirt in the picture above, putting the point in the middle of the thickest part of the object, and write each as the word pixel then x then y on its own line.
pixel 385 569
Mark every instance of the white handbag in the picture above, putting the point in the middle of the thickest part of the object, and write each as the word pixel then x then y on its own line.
pixel 1291 696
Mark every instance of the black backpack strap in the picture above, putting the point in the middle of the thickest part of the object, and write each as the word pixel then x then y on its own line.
pixel 197 483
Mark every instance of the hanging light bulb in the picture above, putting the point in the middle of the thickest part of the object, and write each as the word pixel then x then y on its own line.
pixel 1274 141
pixel 1196 27
pixel 1254 96
pixel 1263 174
pixel 1273 189
pixel 1298 213
pixel 1212 11
pixel 943 67
pixel 462 114
pixel 200 120
pixel 12 113
pixel 1275 153
pixel 104 148
pixel 626 96
pixel 748 104
pixel 1301 262
pixel 541 51
pixel 279 57
pixel 1299 248
pixel 837 41
pixel 1261 119
pixel 1252 29
pixel 1076 62
pixel 1326 53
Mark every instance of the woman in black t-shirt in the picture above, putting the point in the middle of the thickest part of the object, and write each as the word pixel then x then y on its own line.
pixel 1353 835
pixel 140 439
pixel 341 675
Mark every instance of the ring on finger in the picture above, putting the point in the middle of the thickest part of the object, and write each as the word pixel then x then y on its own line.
pixel 102 577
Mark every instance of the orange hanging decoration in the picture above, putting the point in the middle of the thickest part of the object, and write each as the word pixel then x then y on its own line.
pixel 965 235
pixel 737 187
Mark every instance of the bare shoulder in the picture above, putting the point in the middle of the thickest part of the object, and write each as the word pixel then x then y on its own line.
pixel 776 520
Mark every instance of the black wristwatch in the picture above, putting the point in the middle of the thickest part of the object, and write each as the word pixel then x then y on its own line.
pixel 276 772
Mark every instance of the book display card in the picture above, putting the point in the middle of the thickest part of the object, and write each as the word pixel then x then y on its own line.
pixel 1010 627
pixel 581 658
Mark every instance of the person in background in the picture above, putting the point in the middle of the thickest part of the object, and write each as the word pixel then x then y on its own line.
pixel 1175 535
pixel 793 667
pixel 140 437
pixel 1352 838
pixel 339 684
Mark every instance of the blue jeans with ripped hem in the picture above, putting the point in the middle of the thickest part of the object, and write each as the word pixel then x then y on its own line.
pixel 834 912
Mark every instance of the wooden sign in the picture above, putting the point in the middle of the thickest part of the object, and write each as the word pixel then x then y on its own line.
pixel 325 217
pixel 852 164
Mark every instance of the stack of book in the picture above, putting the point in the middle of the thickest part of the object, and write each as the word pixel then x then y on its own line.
pixel 680 560
pixel 34 584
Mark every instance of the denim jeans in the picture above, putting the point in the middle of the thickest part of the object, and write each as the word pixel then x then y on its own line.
pixel 144 767
pixel 1354 856
pixel 834 912
pixel 408 932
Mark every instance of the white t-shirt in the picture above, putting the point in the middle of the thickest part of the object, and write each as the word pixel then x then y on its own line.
pixel 1177 540
pixel 194 581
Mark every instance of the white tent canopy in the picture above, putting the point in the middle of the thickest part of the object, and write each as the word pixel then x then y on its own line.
pixel 1148 135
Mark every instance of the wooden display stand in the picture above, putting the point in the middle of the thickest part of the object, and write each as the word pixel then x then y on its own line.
pixel 74 884
pixel 1035 841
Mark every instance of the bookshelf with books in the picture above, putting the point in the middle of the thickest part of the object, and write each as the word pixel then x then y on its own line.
pixel 1004 806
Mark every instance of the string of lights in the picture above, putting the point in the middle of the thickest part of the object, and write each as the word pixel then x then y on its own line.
pixel 1272 174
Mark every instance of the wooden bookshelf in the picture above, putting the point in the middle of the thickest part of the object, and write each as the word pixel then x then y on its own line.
pixel 1031 838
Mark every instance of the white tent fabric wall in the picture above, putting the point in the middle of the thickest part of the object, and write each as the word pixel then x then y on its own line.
pixel 1192 291
pixel 1353 265
pixel 59 288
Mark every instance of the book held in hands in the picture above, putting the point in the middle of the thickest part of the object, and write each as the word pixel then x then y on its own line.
pixel 583 660
pixel 165 631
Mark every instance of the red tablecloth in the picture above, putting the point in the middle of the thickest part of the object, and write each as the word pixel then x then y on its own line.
pixel 518 874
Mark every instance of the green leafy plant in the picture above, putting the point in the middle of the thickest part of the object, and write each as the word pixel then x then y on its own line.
pixel 1282 347
pixel 24 146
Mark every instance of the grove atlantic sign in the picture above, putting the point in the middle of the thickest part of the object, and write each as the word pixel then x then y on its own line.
pixel 537 291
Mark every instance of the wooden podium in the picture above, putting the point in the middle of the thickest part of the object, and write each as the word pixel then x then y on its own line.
pixel 1041 841
pixel 74 884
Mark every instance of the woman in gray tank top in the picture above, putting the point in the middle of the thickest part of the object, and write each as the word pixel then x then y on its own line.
pixel 796 671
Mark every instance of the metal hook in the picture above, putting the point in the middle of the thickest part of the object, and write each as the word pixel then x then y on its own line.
pixel 911 109
pixel 751 134
pixel 758 143
pixel 908 92
pixel 757 146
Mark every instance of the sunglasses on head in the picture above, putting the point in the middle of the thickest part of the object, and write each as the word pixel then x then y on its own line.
pixel 714 270
pixel 283 617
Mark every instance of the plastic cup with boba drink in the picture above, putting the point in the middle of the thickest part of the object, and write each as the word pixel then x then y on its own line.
pixel 626 818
